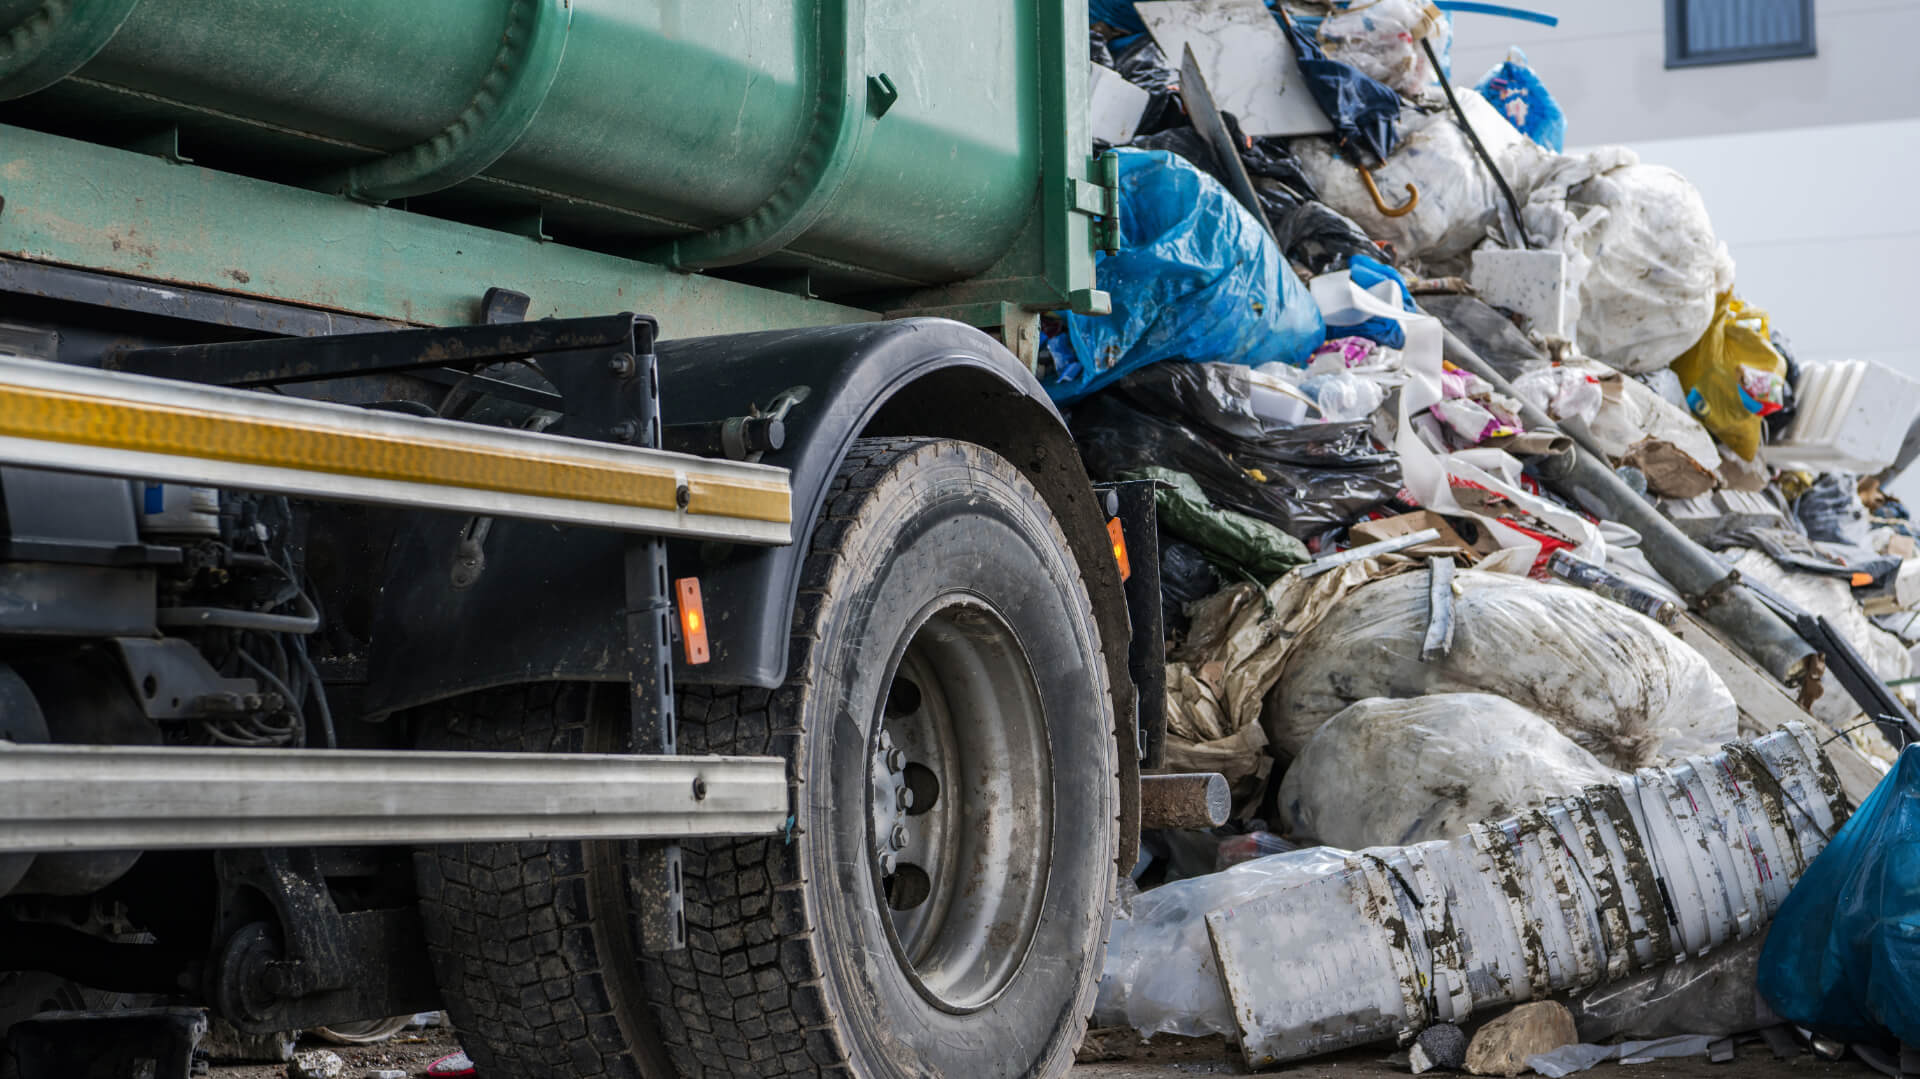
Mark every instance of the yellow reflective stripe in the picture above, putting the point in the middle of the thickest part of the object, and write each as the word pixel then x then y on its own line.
pixel 109 423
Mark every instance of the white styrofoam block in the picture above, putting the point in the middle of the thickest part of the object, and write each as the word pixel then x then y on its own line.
pixel 1114 106
pixel 1532 284
pixel 1850 416
pixel 1246 59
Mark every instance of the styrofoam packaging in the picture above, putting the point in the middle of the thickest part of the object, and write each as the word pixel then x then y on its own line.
pixel 1850 416
pixel 1531 284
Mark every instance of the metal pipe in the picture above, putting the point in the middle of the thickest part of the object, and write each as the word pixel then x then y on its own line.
pixel 82 798
pixel 1709 587
pixel 1192 800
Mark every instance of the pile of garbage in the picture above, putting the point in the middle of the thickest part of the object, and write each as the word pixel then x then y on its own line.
pixel 1546 616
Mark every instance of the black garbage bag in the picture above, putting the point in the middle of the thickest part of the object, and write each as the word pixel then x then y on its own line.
pixel 1777 422
pixel 1185 577
pixel 1308 480
pixel 1320 237
pixel 1144 65
pixel 1268 158
pixel 1097 49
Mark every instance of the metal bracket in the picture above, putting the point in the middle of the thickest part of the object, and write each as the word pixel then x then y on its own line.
pixel 174 681
pixel 1099 199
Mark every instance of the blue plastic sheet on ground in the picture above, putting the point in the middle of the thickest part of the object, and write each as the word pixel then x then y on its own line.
pixel 1843 956
pixel 1514 89
pixel 1197 278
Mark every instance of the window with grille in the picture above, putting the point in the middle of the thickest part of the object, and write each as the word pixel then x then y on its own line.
pixel 1734 31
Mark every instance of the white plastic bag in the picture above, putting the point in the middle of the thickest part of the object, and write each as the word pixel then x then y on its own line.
pixel 1614 681
pixel 1460 204
pixel 1160 976
pixel 1383 38
pixel 1387 773
pixel 1639 242
pixel 1564 393
pixel 1631 412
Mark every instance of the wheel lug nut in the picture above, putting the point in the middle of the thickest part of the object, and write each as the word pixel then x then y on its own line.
pixel 905 799
pixel 899 837
pixel 888 863
pixel 896 759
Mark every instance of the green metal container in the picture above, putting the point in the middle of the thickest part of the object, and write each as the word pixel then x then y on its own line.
pixel 895 154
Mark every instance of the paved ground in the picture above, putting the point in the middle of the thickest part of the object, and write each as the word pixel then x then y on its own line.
pixel 1181 1057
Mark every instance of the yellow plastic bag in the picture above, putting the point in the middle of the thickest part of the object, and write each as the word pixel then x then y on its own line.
pixel 1733 377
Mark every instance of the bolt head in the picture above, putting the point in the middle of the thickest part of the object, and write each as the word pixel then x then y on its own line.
pixel 888 863
pixel 905 800
pixel 896 759
pixel 620 364
pixel 899 837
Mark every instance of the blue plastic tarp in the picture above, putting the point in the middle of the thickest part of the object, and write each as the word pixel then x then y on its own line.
pixel 1843 956
pixel 1197 278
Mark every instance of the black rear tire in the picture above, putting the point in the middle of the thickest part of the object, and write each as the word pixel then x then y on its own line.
pixel 795 964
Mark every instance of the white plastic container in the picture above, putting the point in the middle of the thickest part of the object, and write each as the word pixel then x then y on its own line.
pixel 1851 416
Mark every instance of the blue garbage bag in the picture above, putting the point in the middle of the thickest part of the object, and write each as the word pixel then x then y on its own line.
pixel 1197 278
pixel 1389 333
pixel 1843 956
pixel 1514 89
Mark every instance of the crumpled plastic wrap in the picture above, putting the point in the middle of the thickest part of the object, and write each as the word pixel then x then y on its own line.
pixel 1640 244
pixel 1631 413
pixel 1160 976
pixel 1387 773
pixel 1712 994
pixel 1614 681
pixel 1383 38
pixel 1308 480
pixel 1460 204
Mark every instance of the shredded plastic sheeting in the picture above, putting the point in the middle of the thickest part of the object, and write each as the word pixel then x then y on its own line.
pixel 1160 976
pixel 1843 958
pixel 1569 1059
pixel 1382 39
pixel 1197 278
pixel 1388 773
pixel 1612 680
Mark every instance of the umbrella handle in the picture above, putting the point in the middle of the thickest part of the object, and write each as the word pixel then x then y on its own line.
pixel 1380 204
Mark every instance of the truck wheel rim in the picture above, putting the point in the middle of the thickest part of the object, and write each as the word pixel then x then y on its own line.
pixel 963 730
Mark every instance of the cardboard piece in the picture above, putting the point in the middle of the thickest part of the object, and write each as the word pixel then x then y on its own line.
pixel 1450 541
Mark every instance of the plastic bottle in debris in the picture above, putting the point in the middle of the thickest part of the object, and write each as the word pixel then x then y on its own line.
pixel 1614 587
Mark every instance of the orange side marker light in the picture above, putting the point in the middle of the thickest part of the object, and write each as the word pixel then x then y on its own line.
pixel 1119 537
pixel 693 620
